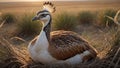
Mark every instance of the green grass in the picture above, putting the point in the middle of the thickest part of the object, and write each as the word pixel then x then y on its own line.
pixel 117 38
pixel 86 17
pixel 8 18
pixel 104 21
pixel 28 27
pixel 64 21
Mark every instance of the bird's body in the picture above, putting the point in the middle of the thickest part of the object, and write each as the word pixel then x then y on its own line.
pixel 58 46
pixel 65 46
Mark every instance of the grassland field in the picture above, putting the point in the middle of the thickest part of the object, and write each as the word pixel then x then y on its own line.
pixel 99 38
pixel 90 33
pixel 73 7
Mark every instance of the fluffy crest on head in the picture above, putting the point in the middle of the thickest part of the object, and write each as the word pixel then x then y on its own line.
pixel 49 7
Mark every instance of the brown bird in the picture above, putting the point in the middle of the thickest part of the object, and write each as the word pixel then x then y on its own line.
pixel 58 46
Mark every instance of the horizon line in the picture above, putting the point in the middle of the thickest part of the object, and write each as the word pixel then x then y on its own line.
pixel 67 0
pixel 51 0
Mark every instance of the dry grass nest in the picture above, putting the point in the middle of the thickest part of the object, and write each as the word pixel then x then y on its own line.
pixel 12 57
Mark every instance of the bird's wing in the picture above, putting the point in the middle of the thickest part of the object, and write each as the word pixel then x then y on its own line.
pixel 66 44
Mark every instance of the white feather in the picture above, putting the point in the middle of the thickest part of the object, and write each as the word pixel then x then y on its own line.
pixel 39 51
pixel 49 7
pixel 77 58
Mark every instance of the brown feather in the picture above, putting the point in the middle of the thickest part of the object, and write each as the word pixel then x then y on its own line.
pixel 66 44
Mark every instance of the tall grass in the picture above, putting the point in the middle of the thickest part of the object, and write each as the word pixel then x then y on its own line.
pixel 64 21
pixel 8 18
pixel 28 27
pixel 11 56
pixel 117 38
pixel 86 17
pixel 104 21
pixel 0 16
pixel 113 54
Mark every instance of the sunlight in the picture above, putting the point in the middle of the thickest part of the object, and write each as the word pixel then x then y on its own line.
pixel 20 0
pixel 34 0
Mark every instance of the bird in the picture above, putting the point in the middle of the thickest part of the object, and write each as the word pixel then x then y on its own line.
pixel 58 46
pixel 115 18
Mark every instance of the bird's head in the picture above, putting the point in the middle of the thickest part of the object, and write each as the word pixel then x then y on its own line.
pixel 45 14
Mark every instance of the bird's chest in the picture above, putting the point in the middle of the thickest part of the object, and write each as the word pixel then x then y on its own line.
pixel 42 56
pixel 39 51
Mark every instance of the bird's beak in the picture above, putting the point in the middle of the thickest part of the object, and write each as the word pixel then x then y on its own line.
pixel 35 18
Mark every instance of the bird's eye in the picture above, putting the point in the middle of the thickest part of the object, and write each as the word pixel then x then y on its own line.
pixel 43 15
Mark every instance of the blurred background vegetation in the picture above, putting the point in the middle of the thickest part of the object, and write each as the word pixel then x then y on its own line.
pixel 61 21
pixel 106 38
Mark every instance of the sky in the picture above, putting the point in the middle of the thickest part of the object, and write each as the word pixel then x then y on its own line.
pixel 50 0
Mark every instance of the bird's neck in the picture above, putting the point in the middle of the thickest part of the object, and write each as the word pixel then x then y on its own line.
pixel 47 29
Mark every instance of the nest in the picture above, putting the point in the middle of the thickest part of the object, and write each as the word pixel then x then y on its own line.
pixel 12 57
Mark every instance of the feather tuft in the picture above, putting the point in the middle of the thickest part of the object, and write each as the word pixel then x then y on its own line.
pixel 49 7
